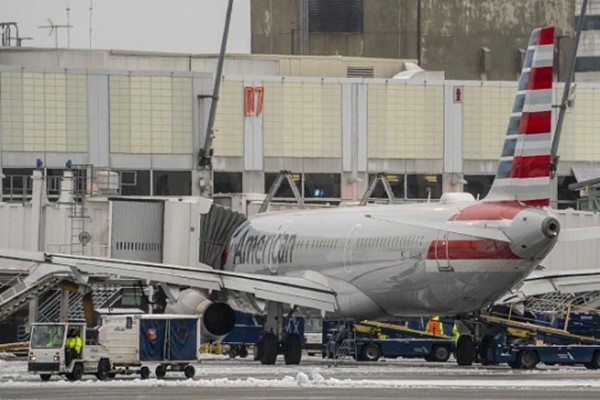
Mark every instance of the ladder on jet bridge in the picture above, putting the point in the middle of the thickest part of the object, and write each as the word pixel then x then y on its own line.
pixel 41 278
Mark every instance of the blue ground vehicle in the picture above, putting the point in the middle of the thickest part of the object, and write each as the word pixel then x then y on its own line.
pixel 371 340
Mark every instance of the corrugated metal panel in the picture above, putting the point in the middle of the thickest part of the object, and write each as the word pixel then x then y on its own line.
pixel 137 230
pixel 335 16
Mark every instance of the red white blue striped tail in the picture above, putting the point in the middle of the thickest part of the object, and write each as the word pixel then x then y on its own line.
pixel 524 168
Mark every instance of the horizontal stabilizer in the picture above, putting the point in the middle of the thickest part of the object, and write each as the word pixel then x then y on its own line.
pixel 465 230
pixel 579 234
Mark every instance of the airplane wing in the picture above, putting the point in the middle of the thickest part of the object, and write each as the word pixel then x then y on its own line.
pixel 577 234
pixel 290 290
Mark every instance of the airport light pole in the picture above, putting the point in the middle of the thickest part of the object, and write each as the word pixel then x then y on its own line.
pixel 205 153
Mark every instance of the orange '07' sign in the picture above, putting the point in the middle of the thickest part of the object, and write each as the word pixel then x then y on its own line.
pixel 250 93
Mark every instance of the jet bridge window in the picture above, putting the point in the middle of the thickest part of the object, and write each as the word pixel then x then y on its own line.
pixel 227 182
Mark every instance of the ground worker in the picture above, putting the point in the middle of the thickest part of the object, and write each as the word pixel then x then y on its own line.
pixel 435 326
pixel 73 345
pixel 455 333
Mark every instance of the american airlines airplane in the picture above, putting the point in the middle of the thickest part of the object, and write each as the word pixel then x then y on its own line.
pixel 450 257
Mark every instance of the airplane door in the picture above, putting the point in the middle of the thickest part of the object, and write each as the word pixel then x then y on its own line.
pixel 350 246
pixel 441 252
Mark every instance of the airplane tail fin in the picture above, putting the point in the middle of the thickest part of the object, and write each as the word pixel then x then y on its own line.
pixel 524 168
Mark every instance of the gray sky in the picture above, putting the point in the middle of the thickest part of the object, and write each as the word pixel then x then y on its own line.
pixel 188 26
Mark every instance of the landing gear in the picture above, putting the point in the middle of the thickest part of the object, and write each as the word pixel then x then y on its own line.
pixel 292 349
pixel 274 341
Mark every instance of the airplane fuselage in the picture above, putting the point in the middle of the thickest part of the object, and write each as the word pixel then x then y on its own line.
pixel 391 260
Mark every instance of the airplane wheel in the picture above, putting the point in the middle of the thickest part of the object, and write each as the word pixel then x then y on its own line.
pixel 371 352
pixel 293 349
pixel 103 369
pixel 465 351
pixel 144 372
pixel 77 372
pixel 45 377
pixel 268 349
pixel 440 353
pixel 528 359
pixel 189 371
pixel 160 371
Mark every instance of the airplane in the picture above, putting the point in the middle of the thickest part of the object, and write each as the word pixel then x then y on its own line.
pixel 450 257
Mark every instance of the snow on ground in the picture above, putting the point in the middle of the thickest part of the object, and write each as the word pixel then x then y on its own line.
pixel 319 374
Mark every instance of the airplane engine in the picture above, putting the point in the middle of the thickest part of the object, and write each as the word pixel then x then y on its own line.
pixel 218 319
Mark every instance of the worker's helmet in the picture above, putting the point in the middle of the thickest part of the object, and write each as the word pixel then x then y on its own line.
pixel 436 318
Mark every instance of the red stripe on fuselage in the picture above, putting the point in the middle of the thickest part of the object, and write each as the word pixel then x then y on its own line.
pixel 470 250
pixel 535 122
pixel 489 211
pixel 540 78
pixel 531 167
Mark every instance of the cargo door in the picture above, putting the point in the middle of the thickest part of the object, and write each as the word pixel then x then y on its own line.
pixel 137 230
pixel 183 339
pixel 153 333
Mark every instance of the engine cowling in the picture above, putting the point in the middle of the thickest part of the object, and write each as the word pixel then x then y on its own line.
pixel 218 319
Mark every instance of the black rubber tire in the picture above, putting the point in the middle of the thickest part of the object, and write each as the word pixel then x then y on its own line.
pixel 268 349
pixel 465 350
pixel 189 371
pixel 292 353
pixel 595 363
pixel 243 352
pixel 45 377
pixel 103 369
pixel 487 346
pixel 371 352
pixel 232 353
pixel 77 372
pixel 440 353
pixel 144 372
pixel 528 359
pixel 515 364
pixel 160 371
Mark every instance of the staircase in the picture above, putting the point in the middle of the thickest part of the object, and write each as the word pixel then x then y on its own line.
pixel 22 289
pixel 342 342
pixel 49 308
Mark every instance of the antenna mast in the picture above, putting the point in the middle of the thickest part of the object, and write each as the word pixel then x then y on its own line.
pixel 91 13
pixel 68 25
pixel 205 153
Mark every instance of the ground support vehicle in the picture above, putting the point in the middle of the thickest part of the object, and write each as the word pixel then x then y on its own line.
pixel 47 353
pixel 172 341
pixel 523 344
pixel 247 332
pixel 371 340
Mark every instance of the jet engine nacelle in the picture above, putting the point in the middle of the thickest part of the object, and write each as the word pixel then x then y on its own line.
pixel 218 319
